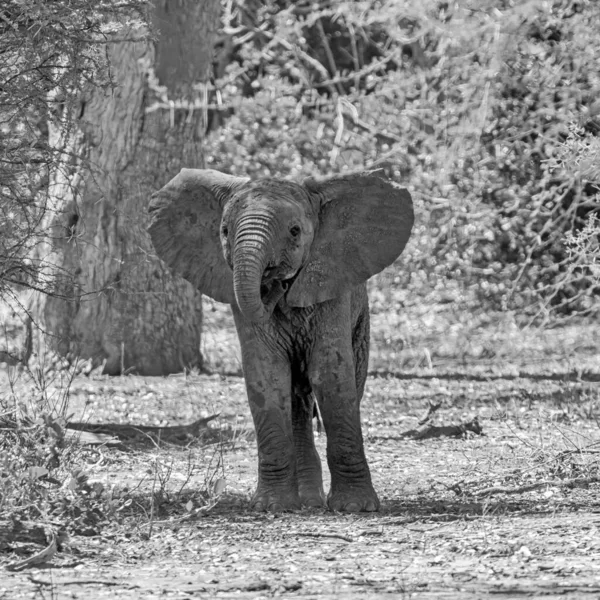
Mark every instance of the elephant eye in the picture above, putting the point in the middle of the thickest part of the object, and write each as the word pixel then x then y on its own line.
pixel 295 231
pixel 224 231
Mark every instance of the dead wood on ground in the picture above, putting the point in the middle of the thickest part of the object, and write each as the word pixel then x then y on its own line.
pixel 12 531
pixel 562 483
pixel 176 434
pixel 432 408
pixel 94 434
pixel 428 431
pixel 43 556
pixel 318 534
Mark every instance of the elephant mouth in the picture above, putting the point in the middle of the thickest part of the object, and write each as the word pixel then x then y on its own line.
pixel 275 282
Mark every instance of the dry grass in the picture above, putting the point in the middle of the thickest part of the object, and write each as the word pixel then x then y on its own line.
pixel 439 530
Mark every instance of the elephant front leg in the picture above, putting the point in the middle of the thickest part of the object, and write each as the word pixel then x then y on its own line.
pixel 269 386
pixel 334 382
pixel 308 463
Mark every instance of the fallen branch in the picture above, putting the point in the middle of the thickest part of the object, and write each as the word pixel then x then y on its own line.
pixel 113 433
pixel 176 434
pixel 427 432
pixel 431 410
pixel 60 582
pixel 201 511
pixel 498 489
pixel 90 438
pixel 26 532
pixel 577 451
pixel 515 589
pixel 443 518
pixel 317 534
pixel 37 559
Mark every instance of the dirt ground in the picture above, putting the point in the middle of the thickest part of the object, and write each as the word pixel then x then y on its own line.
pixel 512 513
pixel 443 531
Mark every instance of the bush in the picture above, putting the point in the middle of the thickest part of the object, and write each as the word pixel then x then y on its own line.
pixel 41 479
pixel 471 108
pixel 51 53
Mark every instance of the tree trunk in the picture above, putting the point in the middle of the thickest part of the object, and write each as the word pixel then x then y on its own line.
pixel 117 303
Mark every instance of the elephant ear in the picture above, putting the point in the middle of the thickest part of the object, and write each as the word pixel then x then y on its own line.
pixel 185 222
pixel 364 224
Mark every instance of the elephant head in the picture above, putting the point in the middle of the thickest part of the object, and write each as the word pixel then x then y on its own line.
pixel 251 242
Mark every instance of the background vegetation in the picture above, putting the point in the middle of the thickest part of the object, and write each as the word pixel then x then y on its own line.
pixel 487 111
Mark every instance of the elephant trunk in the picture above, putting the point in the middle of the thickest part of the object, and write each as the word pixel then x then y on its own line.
pixel 251 249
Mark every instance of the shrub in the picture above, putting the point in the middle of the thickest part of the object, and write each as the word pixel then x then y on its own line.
pixel 468 106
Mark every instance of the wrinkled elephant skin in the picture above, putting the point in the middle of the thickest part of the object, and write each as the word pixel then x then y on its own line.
pixel 292 260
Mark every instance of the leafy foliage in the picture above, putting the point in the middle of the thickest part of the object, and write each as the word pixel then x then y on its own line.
pixel 41 477
pixel 41 480
pixel 51 53
pixel 472 105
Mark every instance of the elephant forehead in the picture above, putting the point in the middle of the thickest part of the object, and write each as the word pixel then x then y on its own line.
pixel 275 193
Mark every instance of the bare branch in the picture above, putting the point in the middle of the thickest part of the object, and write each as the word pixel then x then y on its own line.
pixel 568 483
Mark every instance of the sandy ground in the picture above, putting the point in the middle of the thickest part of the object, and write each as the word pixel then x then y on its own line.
pixel 439 534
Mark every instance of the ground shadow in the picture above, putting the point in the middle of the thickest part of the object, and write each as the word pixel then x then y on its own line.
pixel 234 504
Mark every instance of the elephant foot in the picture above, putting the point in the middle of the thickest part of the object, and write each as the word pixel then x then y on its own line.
pixel 353 499
pixel 310 488
pixel 312 496
pixel 265 500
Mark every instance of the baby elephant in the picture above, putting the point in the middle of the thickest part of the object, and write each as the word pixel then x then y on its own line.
pixel 292 260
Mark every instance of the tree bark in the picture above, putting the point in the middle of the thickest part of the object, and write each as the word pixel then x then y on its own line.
pixel 116 302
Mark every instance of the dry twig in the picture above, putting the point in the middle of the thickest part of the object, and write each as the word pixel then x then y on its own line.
pixel 432 408
pixel 434 431
pixel 329 54
pixel 61 582
pixel 498 489
pixel 318 534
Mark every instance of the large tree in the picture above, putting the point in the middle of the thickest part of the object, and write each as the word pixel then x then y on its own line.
pixel 115 302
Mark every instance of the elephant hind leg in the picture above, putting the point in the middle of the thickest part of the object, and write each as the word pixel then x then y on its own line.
pixel 308 463
pixel 360 349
